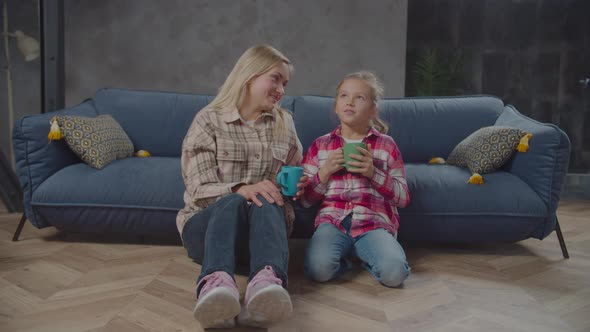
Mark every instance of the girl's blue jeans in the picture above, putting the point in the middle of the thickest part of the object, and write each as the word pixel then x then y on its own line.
pixel 381 254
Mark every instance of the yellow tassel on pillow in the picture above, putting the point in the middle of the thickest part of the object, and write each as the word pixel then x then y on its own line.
pixel 436 160
pixel 523 146
pixel 54 133
pixel 142 153
pixel 475 179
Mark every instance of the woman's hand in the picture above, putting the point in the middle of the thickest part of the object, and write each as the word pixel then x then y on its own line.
pixel 301 187
pixel 332 165
pixel 266 188
pixel 364 165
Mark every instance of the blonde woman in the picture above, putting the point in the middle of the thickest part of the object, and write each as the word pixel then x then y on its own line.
pixel 233 209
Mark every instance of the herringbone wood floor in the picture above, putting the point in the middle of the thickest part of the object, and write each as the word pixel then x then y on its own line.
pixel 50 281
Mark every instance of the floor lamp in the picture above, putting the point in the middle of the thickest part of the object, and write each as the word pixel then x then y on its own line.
pixel 29 48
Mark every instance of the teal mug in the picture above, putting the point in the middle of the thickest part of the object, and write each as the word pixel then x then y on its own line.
pixel 288 178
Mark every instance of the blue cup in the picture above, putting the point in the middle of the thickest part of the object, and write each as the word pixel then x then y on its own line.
pixel 288 178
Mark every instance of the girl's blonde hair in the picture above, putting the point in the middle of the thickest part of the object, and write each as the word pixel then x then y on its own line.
pixel 256 61
pixel 376 90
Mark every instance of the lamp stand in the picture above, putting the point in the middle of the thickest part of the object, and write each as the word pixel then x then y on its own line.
pixel 8 82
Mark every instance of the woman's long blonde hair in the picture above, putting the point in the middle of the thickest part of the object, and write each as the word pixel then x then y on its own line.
pixel 376 90
pixel 256 61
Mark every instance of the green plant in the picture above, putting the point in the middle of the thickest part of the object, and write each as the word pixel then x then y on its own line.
pixel 437 73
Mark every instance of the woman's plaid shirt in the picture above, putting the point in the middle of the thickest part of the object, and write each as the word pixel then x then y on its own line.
pixel 221 151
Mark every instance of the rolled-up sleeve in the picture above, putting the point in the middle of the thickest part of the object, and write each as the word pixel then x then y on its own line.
pixel 391 183
pixel 315 189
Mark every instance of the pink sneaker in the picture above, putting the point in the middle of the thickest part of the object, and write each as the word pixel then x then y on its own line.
pixel 219 301
pixel 266 300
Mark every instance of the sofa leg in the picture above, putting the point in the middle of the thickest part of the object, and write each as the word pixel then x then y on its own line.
pixel 561 240
pixel 19 228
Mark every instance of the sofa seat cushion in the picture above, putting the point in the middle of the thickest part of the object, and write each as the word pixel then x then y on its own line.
pixel 443 189
pixel 142 195
pixel 444 207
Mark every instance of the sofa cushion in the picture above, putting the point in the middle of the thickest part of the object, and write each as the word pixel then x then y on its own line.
pixel 97 141
pixel 151 188
pixel 443 189
pixel 445 208
pixel 487 149
pixel 153 182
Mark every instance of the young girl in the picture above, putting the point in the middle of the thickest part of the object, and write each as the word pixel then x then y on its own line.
pixel 358 215
pixel 231 155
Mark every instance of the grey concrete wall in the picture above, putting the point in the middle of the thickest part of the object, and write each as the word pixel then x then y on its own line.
pixel 190 46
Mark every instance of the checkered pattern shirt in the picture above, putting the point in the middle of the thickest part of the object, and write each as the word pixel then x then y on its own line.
pixel 220 151
pixel 373 202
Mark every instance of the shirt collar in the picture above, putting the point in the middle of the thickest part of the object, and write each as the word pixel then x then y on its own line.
pixel 372 132
pixel 232 114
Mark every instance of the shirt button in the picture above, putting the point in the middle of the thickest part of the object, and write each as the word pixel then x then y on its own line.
pixel 225 153
pixel 257 156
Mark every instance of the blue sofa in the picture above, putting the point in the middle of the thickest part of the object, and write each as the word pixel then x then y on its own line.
pixel 142 195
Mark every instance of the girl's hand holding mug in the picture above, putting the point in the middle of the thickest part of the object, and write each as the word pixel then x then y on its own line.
pixel 301 187
pixel 333 164
pixel 364 162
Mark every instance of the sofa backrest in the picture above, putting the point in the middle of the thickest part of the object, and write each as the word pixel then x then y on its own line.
pixel 422 127
pixel 155 121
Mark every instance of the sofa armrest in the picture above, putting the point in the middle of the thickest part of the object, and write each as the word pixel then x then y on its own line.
pixel 544 167
pixel 36 158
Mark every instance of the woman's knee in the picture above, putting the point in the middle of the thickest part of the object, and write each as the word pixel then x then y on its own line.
pixel 269 214
pixel 229 211
pixel 233 199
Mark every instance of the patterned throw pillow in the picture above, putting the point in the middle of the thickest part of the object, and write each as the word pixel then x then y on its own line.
pixel 97 141
pixel 487 149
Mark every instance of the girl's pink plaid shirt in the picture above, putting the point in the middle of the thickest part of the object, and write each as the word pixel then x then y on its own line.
pixel 373 202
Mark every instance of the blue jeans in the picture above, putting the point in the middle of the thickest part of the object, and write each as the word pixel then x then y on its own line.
pixel 231 229
pixel 380 252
